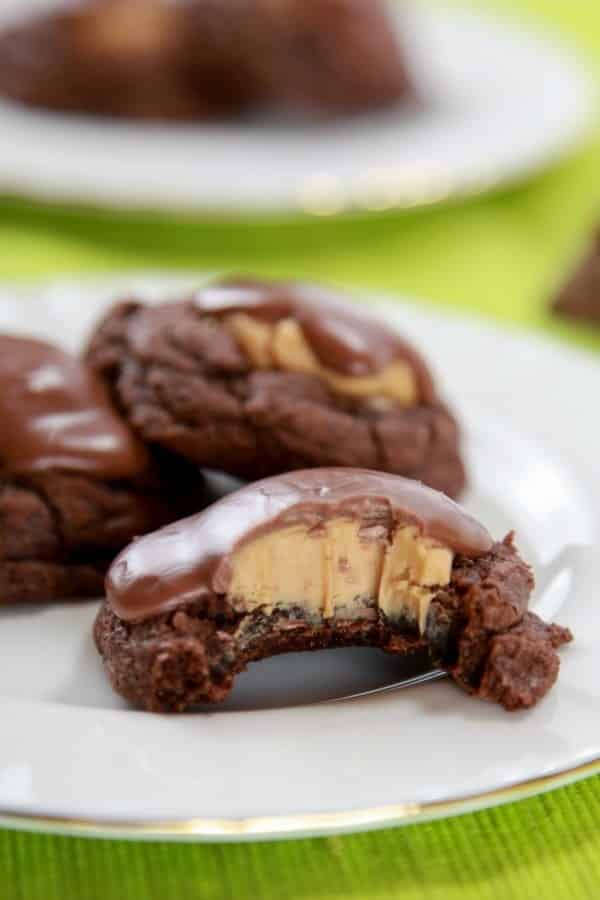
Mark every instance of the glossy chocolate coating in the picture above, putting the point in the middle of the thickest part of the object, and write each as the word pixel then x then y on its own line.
pixel 56 414
pixel 162 570
pixel 343 337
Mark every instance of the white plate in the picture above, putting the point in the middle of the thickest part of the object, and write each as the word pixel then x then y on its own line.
pixel 73 757
pixel 501 101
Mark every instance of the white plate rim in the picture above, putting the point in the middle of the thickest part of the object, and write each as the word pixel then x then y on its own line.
pixel 269 828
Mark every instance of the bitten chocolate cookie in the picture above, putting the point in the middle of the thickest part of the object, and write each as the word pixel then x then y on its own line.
pixel 322 558
pixel 195 59
pixel 580 296
pixel 76 485
pixel 258 378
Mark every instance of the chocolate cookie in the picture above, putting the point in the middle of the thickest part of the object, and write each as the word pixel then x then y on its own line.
pixel 76 486
pixel 322 558
pixel 259 378
pixel 195 59
pixel 580 297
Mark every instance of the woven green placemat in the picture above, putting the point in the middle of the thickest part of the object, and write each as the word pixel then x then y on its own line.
pixel 541 849
pixel 497 256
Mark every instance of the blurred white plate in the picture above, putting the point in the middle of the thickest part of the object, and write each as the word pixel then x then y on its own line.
pixel 501 102
pixel 74 758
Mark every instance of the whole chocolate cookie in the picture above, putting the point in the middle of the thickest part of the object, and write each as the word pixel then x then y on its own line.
pixel 195 59
pixel 257 378
pixel 322 558
pixel 76 485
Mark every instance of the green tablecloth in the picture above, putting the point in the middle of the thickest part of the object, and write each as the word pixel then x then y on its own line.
pixel 497 256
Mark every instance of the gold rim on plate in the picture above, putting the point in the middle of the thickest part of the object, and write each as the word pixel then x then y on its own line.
pixel 304 825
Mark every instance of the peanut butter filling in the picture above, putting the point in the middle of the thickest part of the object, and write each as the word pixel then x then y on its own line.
pixel 339 570
pixel 125 30
pixel 282 345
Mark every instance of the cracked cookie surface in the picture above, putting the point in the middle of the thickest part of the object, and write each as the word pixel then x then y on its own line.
pixel 257 378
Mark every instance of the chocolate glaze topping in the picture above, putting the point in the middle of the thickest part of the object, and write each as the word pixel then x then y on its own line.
pixel 163 570
pixel 341 336
pixel 55 414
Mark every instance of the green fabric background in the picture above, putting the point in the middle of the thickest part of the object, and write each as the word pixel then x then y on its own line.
pixel 497 256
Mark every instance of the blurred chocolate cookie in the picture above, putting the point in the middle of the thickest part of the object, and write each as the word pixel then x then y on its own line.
pixel 196 59
pixel 579 298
